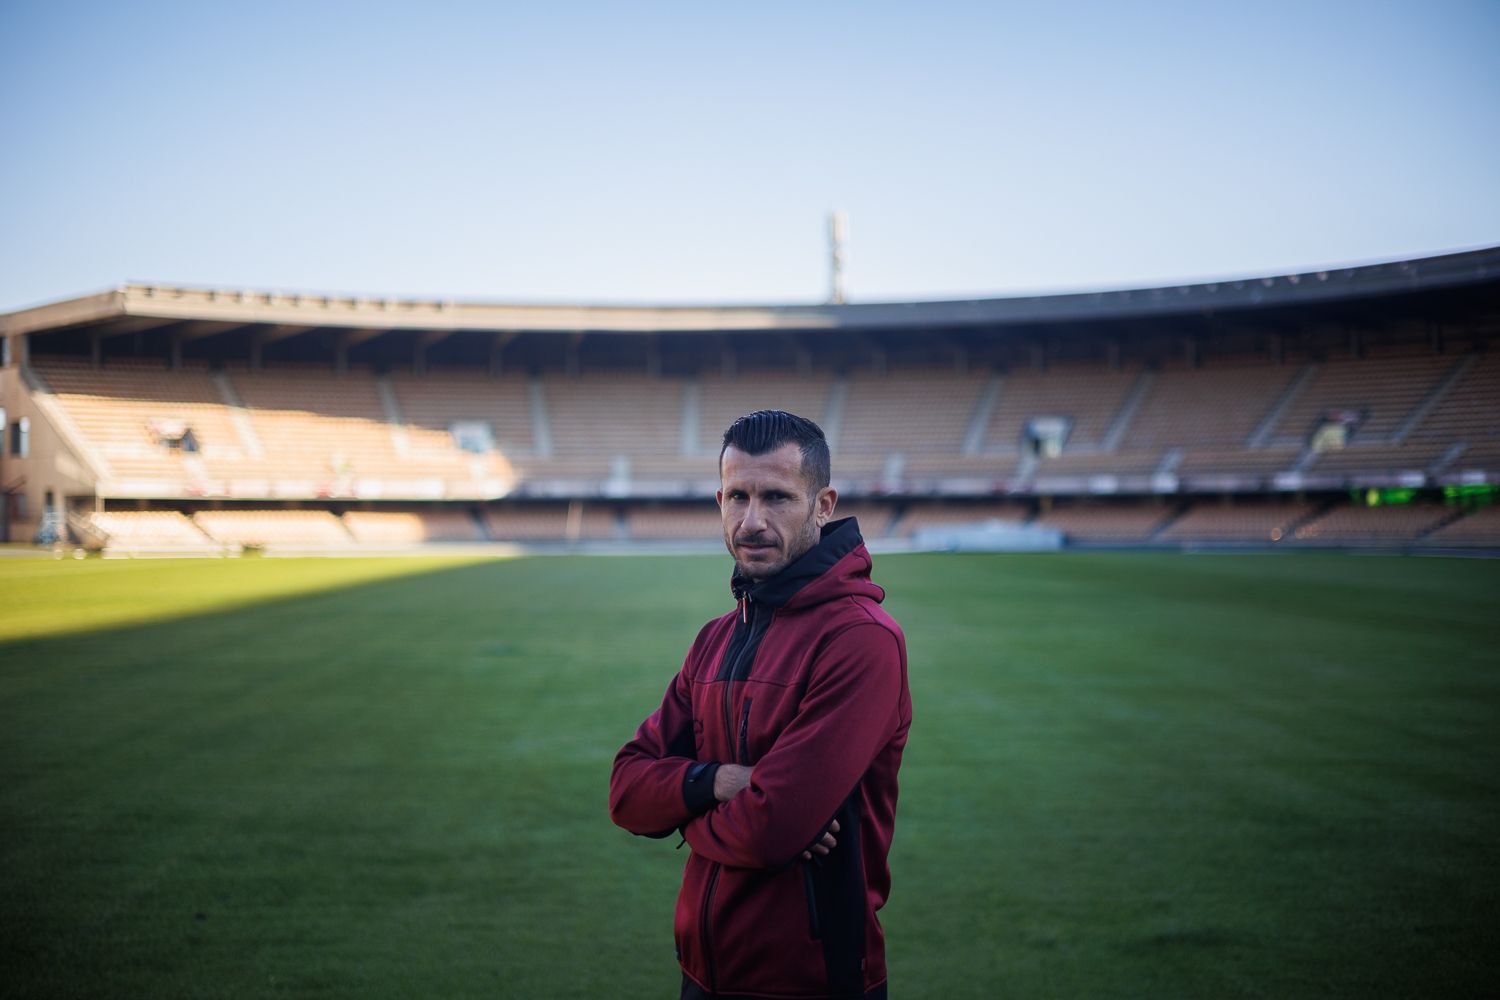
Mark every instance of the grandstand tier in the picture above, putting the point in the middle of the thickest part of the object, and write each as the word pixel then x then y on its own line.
pixel 1226 412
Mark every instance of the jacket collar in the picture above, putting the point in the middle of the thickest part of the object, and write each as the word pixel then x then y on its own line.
pixel 839 538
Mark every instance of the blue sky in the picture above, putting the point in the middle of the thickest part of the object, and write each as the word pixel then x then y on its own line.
pixel 665 152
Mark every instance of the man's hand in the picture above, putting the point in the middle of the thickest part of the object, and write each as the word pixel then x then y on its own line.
pixel 729 779
pixel 827 843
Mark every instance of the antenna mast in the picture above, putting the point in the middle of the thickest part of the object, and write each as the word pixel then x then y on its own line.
pixel 838 228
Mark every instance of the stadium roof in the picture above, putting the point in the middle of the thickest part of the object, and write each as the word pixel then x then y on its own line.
pixel 205 312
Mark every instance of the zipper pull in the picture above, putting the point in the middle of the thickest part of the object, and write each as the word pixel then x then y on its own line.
pixel 745 609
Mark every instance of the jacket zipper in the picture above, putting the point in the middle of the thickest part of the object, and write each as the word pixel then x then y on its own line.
pixel 729 681
pixel 708 948
pixel 713 878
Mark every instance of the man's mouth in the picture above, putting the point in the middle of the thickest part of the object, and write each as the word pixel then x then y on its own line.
pixel 756 547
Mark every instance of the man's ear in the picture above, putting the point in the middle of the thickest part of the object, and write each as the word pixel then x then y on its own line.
pixel 823 506
pixel 719 498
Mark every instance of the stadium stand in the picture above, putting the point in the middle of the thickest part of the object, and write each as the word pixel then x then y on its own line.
pixel 1089 396
pixel 157 429
pixel 1095 522
pixel 1353 524
pixel 330 427
pixel 1467 419
pixel 325 431
pixel 328 432
pixel 600 419
pixel 1206 409
pixel 433 402
pixel 1243 522
pixel 551 522
pixel 876 520
pixel 934 410
pixel 1132 417
pixel 1215 465
pixel 274 529
pixel 411 527
pixel 698 522
pixel 141 531
pixel 926 515
pixel 1479 528
pixel 1378 391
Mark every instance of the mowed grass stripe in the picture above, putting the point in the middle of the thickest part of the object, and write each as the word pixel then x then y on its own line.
pixel 64 598
pixel 1130 775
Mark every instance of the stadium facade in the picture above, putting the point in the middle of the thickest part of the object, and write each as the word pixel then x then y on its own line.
pixel 1349 406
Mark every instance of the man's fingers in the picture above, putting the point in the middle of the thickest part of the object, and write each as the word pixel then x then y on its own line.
pixel 825 844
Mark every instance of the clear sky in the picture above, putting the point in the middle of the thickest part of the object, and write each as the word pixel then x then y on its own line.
pixel 690 152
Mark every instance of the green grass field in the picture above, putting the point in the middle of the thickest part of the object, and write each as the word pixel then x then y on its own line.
pixel 1128 776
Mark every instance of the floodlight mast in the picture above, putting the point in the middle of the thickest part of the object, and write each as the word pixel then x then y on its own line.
pixel 838 228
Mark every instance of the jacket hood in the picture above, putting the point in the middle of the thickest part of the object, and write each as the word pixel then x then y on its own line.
pixel 838 566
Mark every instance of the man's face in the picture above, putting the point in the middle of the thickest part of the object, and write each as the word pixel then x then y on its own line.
pixel 771 513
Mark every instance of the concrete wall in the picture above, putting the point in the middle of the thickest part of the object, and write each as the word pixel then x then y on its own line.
pixel 51 462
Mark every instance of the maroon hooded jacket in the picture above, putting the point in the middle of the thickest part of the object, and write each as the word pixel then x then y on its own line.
pixel 805 681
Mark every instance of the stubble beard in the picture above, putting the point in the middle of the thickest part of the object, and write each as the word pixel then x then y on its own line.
pixel 806 538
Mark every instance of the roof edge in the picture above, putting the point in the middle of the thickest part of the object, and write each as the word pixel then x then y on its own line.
pixel 1469 267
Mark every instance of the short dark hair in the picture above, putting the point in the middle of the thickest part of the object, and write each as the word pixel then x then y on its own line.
pixel 766 430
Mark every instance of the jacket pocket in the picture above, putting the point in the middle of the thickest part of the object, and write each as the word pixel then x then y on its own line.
pixel 745 732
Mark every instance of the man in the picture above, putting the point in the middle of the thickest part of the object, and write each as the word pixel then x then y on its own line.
pixel 776 748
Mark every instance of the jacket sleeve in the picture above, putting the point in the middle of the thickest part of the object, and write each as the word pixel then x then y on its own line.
pixel 657 784
pixel 848 713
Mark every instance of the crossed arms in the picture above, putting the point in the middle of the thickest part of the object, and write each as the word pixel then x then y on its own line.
pixel 731 779
pixel 768 815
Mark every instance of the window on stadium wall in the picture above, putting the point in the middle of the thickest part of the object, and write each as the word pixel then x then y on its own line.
pixel 1045 436
pixel 20 437
pixel 473 436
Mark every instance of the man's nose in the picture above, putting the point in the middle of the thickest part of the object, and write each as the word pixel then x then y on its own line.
pixel 754 519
